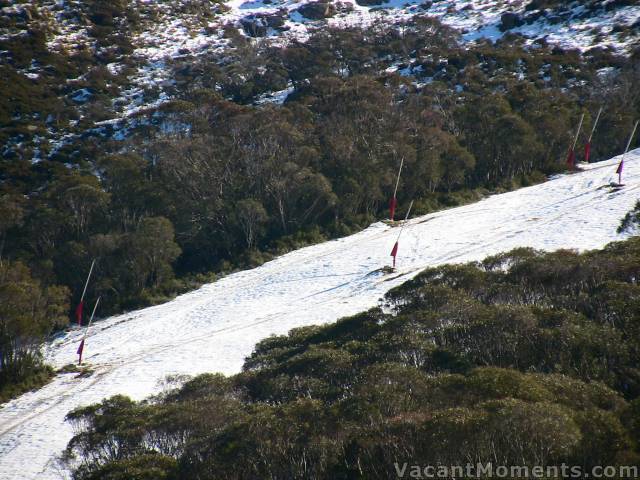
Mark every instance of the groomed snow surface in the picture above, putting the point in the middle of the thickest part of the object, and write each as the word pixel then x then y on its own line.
pixel 214 328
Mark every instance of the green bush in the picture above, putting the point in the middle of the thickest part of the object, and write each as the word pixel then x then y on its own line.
pixel 494 361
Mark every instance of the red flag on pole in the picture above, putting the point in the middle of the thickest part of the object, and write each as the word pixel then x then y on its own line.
pixel 86 330
pixel 393 203
pixel 79 309
pixel 587 152
pixel 571 158
pixel 621 165
pixel 619 170
pixel 394 252
pixel 80 349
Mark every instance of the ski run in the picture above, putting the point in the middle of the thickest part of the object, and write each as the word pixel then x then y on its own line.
pixel 215 327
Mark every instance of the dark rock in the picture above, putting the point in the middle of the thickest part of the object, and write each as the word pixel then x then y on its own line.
pixel 317 10
pixel 258 25
pixel 370 3
pixel 615 4
pixel 554 19
pixel 509 20
pixel 344 7
pixel 617 28
pixel 533 17
pixel 534 5
pixel 254 26
pixel 274 21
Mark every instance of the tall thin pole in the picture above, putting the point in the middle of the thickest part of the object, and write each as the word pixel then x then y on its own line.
pixel 95 307
pixel 86 284
pixel 395 190
pixel 635 127
pixel 587 146
pixel 406 217
pixel 80 306
pixel 86 330
pixel 394 250
pixel 621 165
pixel 575 140
pixel 595 124
pixel 393 203
pixel 571 155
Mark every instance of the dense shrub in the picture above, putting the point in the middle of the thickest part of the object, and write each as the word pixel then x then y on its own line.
pixel 524 359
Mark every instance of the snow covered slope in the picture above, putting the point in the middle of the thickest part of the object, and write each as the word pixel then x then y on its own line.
pixel 215 327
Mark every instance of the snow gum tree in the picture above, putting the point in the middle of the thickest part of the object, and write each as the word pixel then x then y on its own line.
pixel 28 311
pixel 152 248
pixel 251 216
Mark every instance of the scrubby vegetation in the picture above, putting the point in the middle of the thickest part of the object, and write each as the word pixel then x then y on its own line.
pixel 37 376
pixel 220 177
pixel 28 311
pixel 631 221
pixel 524 359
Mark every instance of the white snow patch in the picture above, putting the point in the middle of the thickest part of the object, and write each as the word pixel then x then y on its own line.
pixel 277 98
pixel 81 95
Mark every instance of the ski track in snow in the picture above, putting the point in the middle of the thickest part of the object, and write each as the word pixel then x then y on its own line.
pixel 215 327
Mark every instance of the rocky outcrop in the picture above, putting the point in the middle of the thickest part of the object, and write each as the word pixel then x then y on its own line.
pixel 258 25
pixel 510 20
pixel 317 10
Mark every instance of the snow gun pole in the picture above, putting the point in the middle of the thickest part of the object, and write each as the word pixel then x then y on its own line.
pixel 575 140
pixel 394 250
pixel 633 133
pixel 595 124
pixel 621 165
pixel 587 147
pixel 394 200
pixel 406 217
pixel 86 330
pixel 395 190
pixel 571 155
pixel 80 306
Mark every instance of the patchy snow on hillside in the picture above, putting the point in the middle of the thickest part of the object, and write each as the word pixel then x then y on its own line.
pixel 167 31
pixel 172 37
pixel 215 327
pixel 170 31
pixel 575 31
